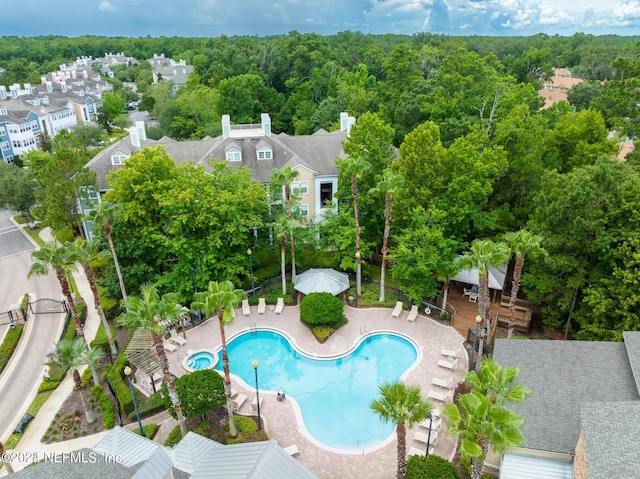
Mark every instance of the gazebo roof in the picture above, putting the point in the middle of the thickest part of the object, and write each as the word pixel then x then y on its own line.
pixel 323 280
pixel 141 353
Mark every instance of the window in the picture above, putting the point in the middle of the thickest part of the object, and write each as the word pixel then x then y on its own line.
pixel 2 131
pixel 300 187
pixel 118 158
pixel 233 154
pixel 6 146
pixel 326 194
pixel 302 210
pixel 265 153
pixel 3 110
pixel 9 159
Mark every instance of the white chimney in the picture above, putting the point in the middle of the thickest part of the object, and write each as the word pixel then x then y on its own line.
pixel 3 91
pixel 63 87
pixel 226 126
pixel 49 86
pixel 142 132
pixel 346 121
pixel 266 124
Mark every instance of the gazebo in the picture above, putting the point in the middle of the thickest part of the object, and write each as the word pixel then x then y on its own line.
pixel 322 280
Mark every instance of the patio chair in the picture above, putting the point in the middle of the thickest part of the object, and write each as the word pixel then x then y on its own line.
pixel 422 437
pixel 443 383
pixel 179 340
pixel 397 310
pixel 246 309
pixel 435 424
pixel 413 313
pixel 438 396
pixel 279 306
pixel 168 346
pixel 448 364
pixel 292 450
pixel 450 353
pixel 262 306
pixel 414 451
pixel 473 297
pixel 254 404
pixel 238 401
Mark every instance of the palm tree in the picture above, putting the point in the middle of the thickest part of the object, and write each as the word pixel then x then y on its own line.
pixel 355 167
pixel 285 177
pixel 153 313
pixel 73 353
pixel 482 255
pixel 221 298
pixel 404 406
pixel 62 260
pixel 388 183
pixel 523 244
pixel 87 251
pixel 481 417
pixel 281 226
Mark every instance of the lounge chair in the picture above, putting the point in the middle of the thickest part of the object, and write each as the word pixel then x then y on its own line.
pixel 238 401
pixel 254 404
pixel 450 353
pixel 473 297
pixel 413 313
pixel 168 346
pixel 397 310
pixel 434 423
pixel 262 306
pixel 279 306
pixel 435 412
pixel 179 340
pixel 422 437
pixel 448 364
pixel 438 396
pixel 246 309
pixel 292 450
pixel 414 451
pixel 443 383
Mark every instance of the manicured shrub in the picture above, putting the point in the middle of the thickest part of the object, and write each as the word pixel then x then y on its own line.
pixel 87 378
pixel 120 385
pixel 149 430
pixel 200 392
pixel 432 467
pixel 174 437
pixel 108 413
pixel 322 309
pixel 9 345
pixel 246 427
pixel 101 340
pixel 203 428
pixel 150 406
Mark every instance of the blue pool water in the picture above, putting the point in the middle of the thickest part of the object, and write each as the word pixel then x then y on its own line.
pixel 333 394
pixel 200 360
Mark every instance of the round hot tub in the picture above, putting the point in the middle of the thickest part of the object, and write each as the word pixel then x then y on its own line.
pixel 201 359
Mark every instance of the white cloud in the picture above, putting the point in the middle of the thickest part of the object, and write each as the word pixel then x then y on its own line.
pixel 627 10
pixel 107 6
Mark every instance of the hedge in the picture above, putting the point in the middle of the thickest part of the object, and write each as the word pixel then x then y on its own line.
pixel 149 430
pixel 432 467
pixel 9 345
pixel 118 382
pixel 108 413
pixel 102 341
pixel 174 437
pixel 322 309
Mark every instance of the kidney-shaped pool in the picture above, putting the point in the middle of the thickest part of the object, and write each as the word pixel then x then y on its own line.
pixel 333 394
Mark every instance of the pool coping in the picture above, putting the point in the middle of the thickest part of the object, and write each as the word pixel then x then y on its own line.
pixel 190 353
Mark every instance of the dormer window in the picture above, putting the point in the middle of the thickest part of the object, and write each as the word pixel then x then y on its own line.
pixel 265 153
pixel 3 110
pixel 233 154
pixel 118 158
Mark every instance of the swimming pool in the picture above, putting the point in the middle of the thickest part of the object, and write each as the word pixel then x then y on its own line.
pixel 333 394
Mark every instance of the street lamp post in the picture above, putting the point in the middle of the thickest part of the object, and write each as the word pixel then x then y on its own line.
pixel 255 368
pixel 127 372
pixel 358 272
pixel 253 288
pixel 429 434
pixel 475 338
pixel 194 271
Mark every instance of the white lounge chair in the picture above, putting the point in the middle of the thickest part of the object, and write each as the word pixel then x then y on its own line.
pixel 443 383
pixel 473 297
pixel 239 401
pixel 448 364
pixel 179 340
pixel 262 306
pixel 292 450
pixel 397 310
pixel 413 313
pixel 422 437
pixel 450 353
pixel 254 403
pixel 414 451
pixel 168 346
pixel 434 423
pixel 246 309
pixel 279 306
pixel 435 412
pixel 438 396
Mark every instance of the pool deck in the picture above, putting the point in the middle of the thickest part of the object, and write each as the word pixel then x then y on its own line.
pixel 281 418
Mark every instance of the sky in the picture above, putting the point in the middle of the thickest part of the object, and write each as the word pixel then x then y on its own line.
pixel 212 18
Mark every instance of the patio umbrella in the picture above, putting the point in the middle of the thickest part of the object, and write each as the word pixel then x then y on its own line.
pixel 472 276
pixel 323 280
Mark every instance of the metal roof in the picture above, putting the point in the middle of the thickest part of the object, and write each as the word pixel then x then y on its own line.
pixel 322 280
pixel 518 466
pixel 131 448
pixel 191 449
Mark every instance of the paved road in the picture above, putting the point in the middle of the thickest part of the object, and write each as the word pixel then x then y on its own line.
pixel 21 376
pixel 12 240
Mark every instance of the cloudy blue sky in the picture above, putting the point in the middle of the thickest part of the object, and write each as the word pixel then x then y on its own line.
pixel 212 18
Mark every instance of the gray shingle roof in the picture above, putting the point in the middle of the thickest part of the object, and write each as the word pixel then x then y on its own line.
pixel 632 343
pixel 562 376
pixel 614 424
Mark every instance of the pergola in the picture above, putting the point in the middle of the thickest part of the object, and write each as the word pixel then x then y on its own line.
pixel 141 354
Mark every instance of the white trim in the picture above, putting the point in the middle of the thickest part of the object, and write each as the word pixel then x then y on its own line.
pixel 233 154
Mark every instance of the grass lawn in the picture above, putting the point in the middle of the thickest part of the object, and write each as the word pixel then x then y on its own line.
pixel 32 410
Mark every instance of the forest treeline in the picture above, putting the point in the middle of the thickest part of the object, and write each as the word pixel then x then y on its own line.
pixel 477 154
